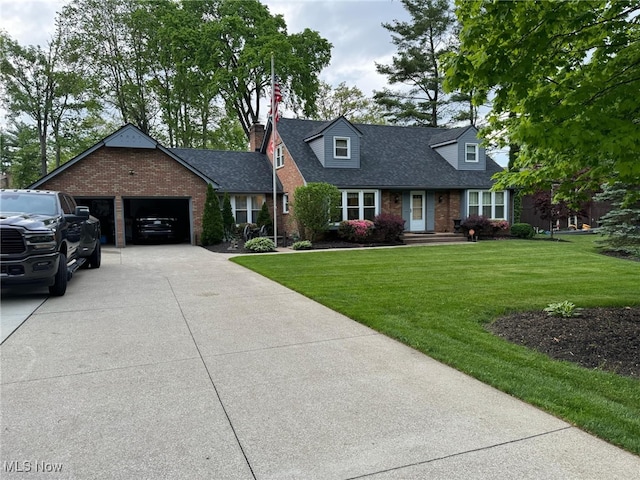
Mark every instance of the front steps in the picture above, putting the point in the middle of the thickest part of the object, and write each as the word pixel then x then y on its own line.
pixel 413 238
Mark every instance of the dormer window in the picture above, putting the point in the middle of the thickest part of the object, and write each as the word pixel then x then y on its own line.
pixel 471 153
pixel 342 147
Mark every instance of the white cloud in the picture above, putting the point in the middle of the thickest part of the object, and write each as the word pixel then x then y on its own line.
pixel 29 22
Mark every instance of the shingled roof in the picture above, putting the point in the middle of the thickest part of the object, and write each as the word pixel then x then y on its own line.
pixel 237 172
pixel 390 157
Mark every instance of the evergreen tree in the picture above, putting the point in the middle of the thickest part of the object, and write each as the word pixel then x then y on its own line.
pixel 212 230
pixel 264 218
pixel 228 222
pixel 621 226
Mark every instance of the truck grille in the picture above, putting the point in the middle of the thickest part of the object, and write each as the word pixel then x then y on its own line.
pixel 11 241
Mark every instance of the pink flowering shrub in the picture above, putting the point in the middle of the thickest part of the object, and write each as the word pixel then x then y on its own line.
pixel 359 231
pixel 500 227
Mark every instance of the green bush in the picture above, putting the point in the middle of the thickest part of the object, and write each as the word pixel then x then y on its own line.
pixel 314 206
pixel 212 229
pixel 264 218
pixel 228 222
pixel 260 244
pixel 522 230
pixel 302 245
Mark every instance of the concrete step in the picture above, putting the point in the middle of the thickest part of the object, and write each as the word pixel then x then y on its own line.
pixel 419 238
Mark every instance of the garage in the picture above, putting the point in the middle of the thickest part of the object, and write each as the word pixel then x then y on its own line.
pixel 156 220
pixel 104 210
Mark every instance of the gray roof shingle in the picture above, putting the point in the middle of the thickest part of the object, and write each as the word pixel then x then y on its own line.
pixel 237 172
pixel 391 157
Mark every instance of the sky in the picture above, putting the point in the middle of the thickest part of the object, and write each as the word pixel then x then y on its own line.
pixel 353 27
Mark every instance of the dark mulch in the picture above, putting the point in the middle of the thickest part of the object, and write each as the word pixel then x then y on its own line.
pixel 604 338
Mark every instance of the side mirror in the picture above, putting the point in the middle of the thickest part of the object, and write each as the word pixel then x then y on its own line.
pixel 82 212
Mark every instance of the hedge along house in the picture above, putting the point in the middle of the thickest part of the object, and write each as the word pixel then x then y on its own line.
pixel 431 177
pixel 129 172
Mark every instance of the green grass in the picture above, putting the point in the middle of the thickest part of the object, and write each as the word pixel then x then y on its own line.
pixel 437 299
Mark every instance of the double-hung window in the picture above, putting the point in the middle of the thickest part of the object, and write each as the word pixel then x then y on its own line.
pixel 471 153
pixel 487 203
pixel 342 147
pixel 246 208
pixel 279 156
pixel 359 204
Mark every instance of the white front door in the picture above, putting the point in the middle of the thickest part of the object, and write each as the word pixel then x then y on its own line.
pixel 418 211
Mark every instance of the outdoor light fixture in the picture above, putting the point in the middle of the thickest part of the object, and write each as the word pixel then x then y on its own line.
pixel 396 198
pixel 131 172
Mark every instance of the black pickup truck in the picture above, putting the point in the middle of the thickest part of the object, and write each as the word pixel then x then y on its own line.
pixel 44 238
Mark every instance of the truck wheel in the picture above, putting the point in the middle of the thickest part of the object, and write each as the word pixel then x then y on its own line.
pixel 59 288
pixel 96 256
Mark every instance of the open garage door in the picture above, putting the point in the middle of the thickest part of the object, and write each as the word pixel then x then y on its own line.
pixel 157 220
pixel 104 210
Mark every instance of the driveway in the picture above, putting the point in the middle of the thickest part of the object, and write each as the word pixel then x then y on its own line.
pixel 170 362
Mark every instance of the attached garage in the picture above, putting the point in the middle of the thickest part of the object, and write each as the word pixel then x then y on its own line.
pixel 177 210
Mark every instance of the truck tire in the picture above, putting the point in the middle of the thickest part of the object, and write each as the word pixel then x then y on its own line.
pixel 59 287
pixel 96 257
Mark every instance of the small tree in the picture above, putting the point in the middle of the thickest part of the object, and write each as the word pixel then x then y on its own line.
pixel 264 218
pixel 228 222
pixel 621 226
pixel 212 229
pixel 314 206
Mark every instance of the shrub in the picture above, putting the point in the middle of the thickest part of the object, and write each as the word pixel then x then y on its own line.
pixel 302 245
pixel 260 244
pixel 359 231
pixel 564 309
pixel 264 218
pixel 478 223
pixel 212 229
pixel 500 227
pixel 388 227
pixel 228 222
pixel 522 230
pixel 314 206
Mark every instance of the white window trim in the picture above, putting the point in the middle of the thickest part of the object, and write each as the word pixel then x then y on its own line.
pixel 477 152
pixel 285 203
pixel 360 202
pixel 335 147
pixel 279 156
pixel 250 207
pixel 493 203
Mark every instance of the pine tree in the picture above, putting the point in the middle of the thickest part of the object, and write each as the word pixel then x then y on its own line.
pixel 264 218
pixel 228 222
pixel 621 226
pixel 212 230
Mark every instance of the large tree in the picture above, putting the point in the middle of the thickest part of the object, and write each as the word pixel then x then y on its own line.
pixel 347 101
pixel 564 77
pixel 418 63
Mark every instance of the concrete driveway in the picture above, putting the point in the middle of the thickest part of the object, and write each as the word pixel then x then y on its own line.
pixel 170 362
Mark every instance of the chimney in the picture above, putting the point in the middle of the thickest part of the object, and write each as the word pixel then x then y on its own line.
pixel 256 136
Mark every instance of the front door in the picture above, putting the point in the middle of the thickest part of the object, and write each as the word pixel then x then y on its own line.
pixel 418 211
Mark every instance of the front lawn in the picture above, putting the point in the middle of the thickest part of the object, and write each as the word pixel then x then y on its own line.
pixel 438 299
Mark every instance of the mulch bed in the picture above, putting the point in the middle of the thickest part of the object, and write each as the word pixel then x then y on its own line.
pixel 604 338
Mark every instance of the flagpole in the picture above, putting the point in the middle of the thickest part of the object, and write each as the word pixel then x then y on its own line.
pixel 273 151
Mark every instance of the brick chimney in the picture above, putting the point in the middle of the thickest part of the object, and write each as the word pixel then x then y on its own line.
pixel 256 136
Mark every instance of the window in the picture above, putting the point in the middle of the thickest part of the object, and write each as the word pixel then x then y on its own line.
pixel 341 147
pixel 246 208
pixel 285 203
pixel 487 203
pixel 471 152
pixel 359 205
pixel 279 156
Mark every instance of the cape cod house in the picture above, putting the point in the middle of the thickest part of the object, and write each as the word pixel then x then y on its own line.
pixel 429 176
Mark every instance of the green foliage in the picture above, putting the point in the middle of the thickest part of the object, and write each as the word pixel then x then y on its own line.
pixel 420 43
pixel 564 309
pixel 228 222
pixel 302 245
pixel 621 225
pixel 212 228
pixel 450 327
pixel 522 230
pixel 21 155
pixel 349 102
pixel 260 244
pixel 478 223
pixel 564 80
pixel 264 218
pixel 314 206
